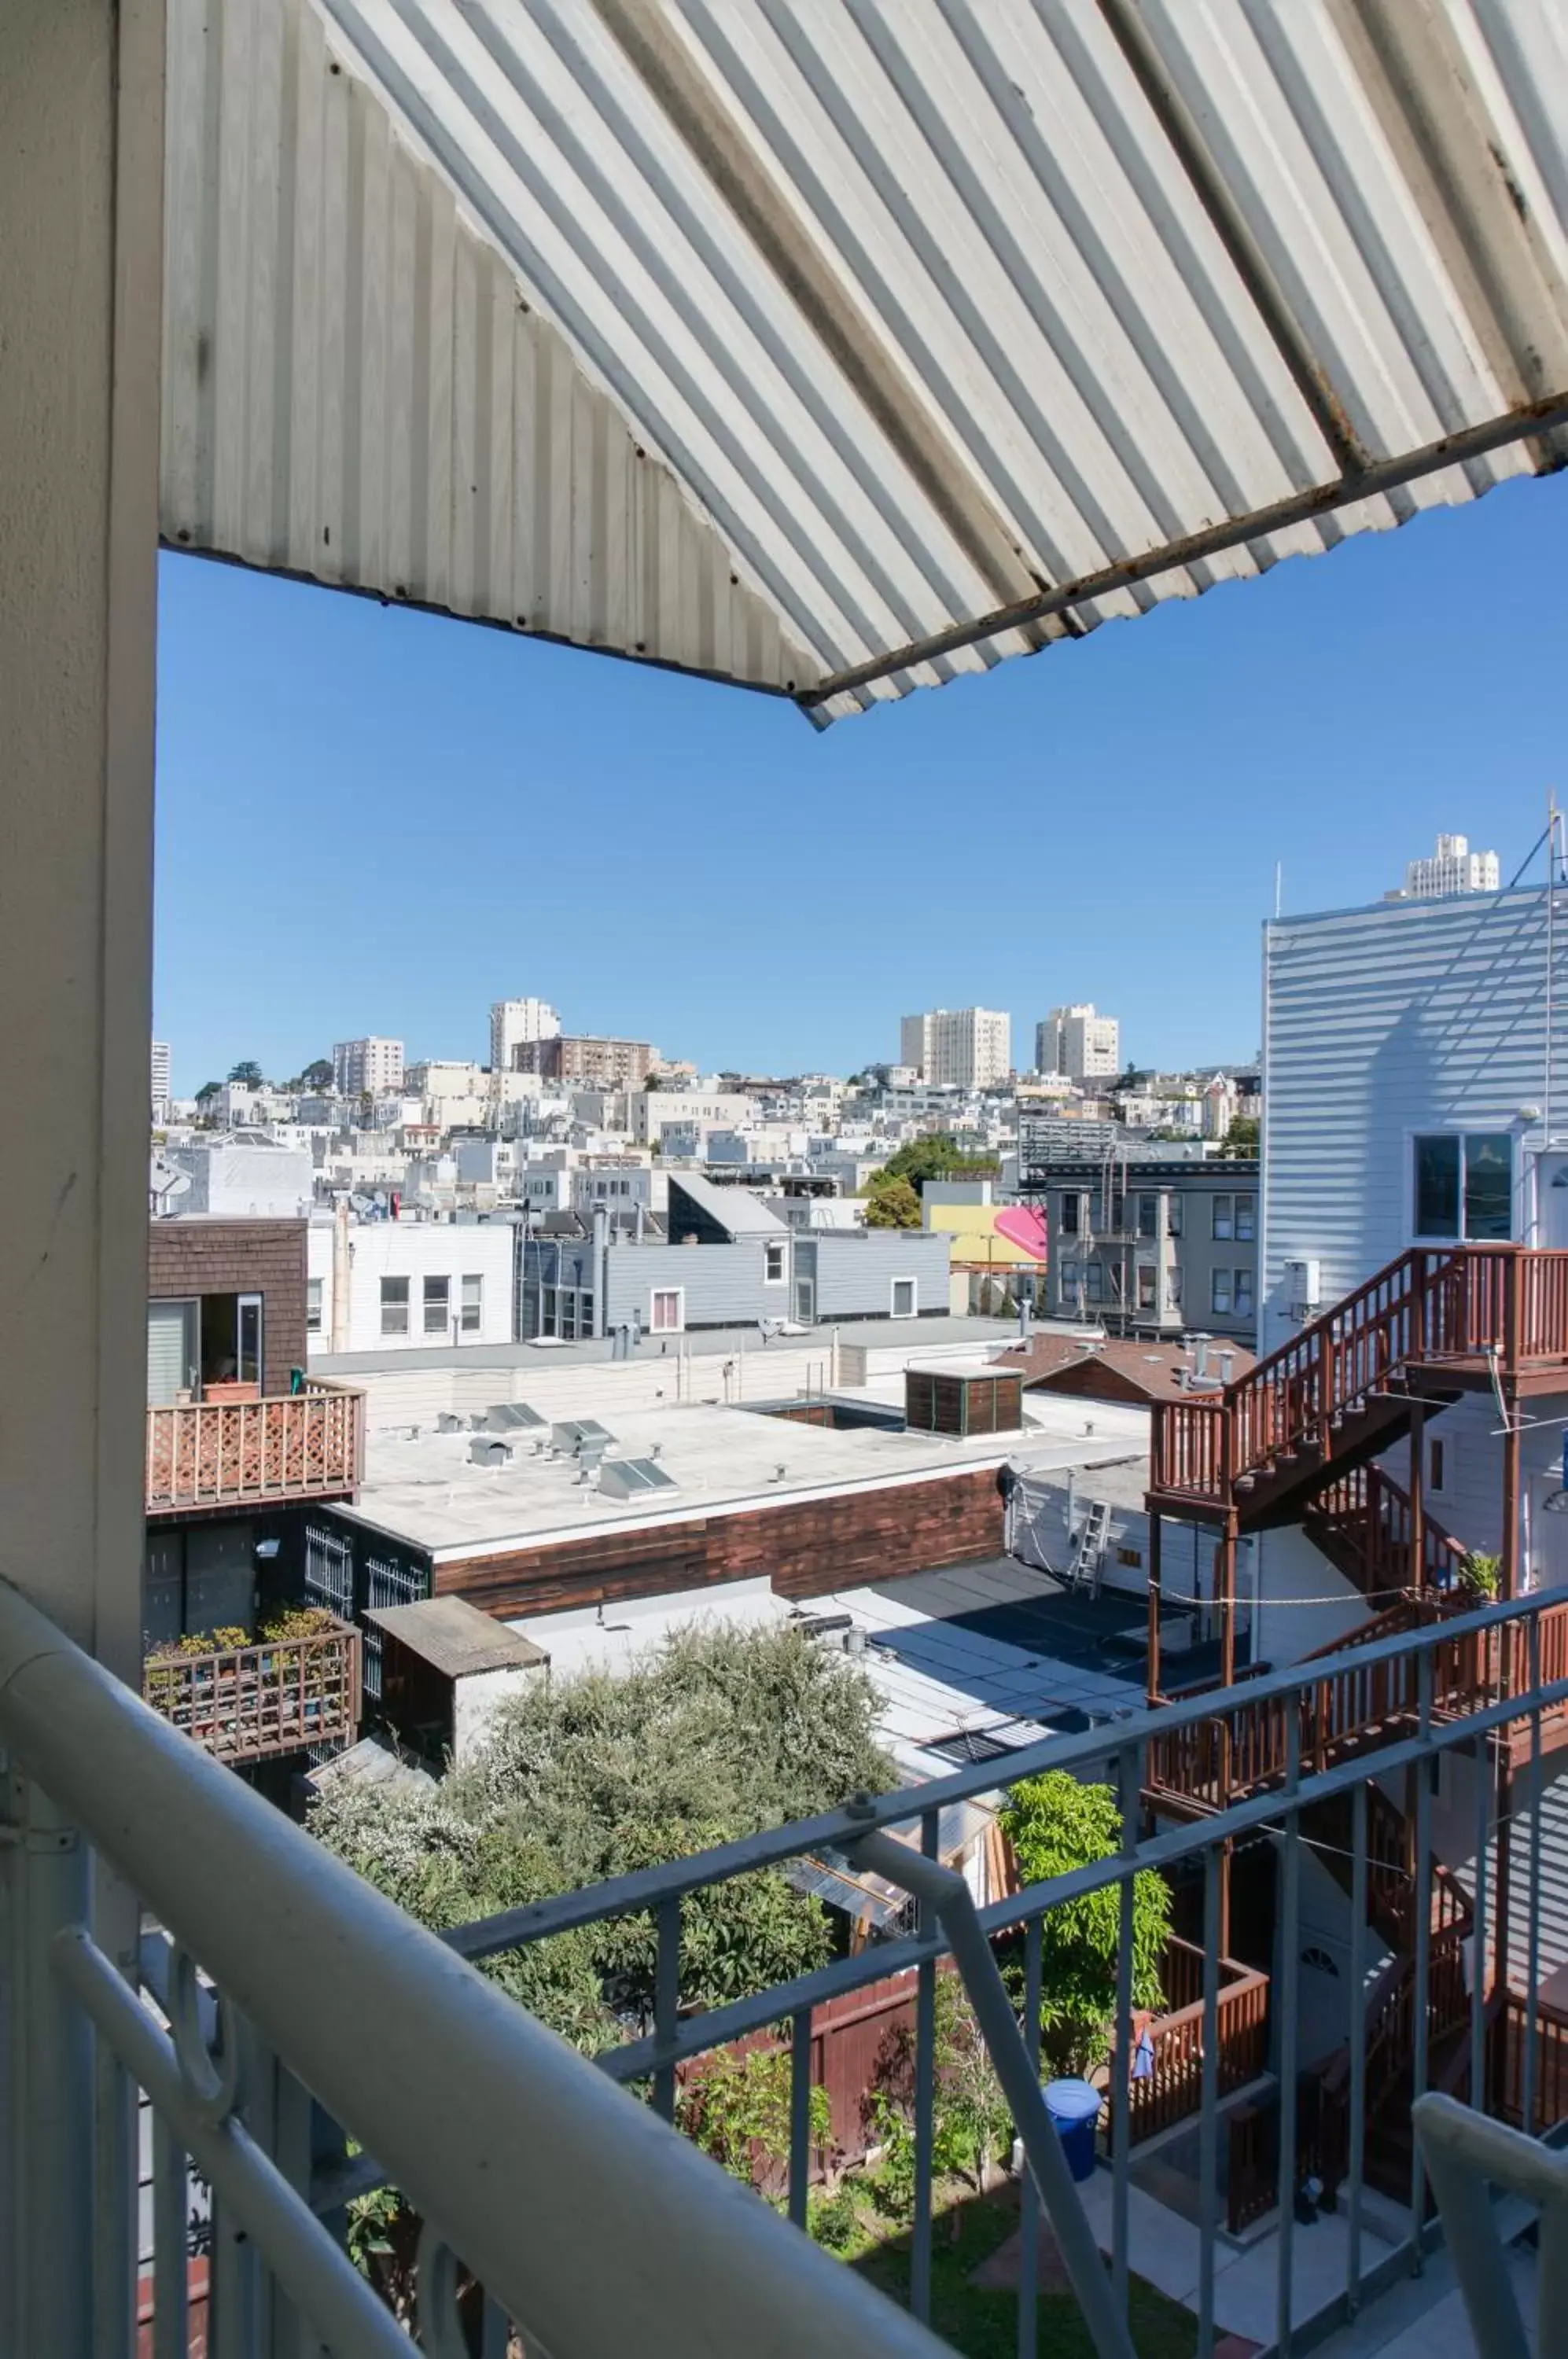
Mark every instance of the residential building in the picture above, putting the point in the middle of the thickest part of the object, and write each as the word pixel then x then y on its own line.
pixel 1454 868
pixel 247 1177
pixel 513 1021
pixel 409 1286
pixel 586 1059
pixel 1079 1042
pixel 1152 1247
pixel 367 1068
pixel 655 1112
pixel 962 1047
pixel 238 1442
pixel 161 1087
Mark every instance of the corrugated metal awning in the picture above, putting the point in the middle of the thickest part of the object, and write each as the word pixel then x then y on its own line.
pixel 837 346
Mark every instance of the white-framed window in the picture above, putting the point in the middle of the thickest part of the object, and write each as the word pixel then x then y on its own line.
pixel 667 1310
pixel 312 1306
pixel 1173 1286
pixel 394 1306
pixel 1244 1294
pixel 1462 1185
pixel 1219 1292
pixel 438 1305
pixel 1246 1220
pixel 1224 1218
pixel 903 1304
pixel 472 1304
pixel 1146 1278
pixel 773 1270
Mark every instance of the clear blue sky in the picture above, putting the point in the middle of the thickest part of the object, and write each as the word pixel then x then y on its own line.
pixel 372 820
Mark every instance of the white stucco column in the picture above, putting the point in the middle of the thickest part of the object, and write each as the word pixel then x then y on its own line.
pixel 80 261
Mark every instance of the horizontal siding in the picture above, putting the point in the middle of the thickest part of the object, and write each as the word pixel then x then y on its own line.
pixel 1379 1022
pixel 723 1285
pixel 855 1273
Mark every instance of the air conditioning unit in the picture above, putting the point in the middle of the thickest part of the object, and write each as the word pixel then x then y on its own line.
pixel 1303 1287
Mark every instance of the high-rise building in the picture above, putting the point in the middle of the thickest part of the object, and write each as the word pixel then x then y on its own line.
pixel 1454 868
pixel 585 1058
pixel 368 1067
pixel 161 1083
pixel 1079 1042
pixel 513 1021
pixel 961 1047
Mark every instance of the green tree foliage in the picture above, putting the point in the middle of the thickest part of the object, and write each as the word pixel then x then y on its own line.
pixel 736 2107
pixel 207 1093
pixel 971 2128
pixel 1241 1138
pixel 248 1071
pixel 317 1074
pixel 1055 1824
pixel 722 1733
pixel 892 1204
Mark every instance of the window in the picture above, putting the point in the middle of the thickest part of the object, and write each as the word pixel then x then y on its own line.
pixel 903 1306
pixel 438 1296
pixel 1219 1293
pixel 394 1306
pixel 1146 1278
pixel 312 1306
pixel 1175 1216
pixel 1173 1288
pixel 1149 1216
pixel 1224 1218
pixel 472 1304
pixel 1462 1185
pixel 1094 1278
pixel 1435 1468
pixel 1069 1215
pixel 665 1310
pixel 773 1262
pixel 1246 1220
pixel 1244 1294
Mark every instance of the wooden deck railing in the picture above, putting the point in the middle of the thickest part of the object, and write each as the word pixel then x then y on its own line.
pixel 1209 1763
pixel 303 1445
pixel 1173 2087
pixel 1513 2033
pixel 1363 1521
pixel 248 1703
pixel 1455 1303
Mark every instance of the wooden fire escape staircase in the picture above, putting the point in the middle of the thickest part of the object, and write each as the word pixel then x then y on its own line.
pixel 1293 1441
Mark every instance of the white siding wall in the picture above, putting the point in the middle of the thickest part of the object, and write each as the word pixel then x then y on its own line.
pixel 1380 1022
pixel 476 1700
pixel 415 1250
pixel 1470 1503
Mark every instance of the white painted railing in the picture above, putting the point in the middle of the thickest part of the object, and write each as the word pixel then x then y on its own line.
pixel 590 2224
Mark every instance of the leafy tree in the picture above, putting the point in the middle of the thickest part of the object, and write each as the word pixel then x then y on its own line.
pixel 892 1204
pixel 737 2107
pixel 720 1734
pixel 654 1082
pixel 207 1093
pixel 972 2125
pixel 935 1158
pixel 1055 1825
pixel 317 1074
pixel 1241 1138
pixel 247 1072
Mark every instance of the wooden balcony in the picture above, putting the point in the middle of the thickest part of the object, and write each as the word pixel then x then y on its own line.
pixel 234 1453
pixel 252 1703
pixel 1173 2087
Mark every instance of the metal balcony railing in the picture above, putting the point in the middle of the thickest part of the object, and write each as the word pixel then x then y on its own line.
pixel 291 1991
pixel 226 1454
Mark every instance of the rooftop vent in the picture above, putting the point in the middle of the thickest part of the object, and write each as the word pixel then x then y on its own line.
pixel 967 1744
pixel 571 1434
pixel 634 1478
pixel 507 1417
pixel 486 1451
pixel 447 1423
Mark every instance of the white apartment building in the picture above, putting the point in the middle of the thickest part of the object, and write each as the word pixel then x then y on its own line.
pixel 161 1091
pixel 412 1286
pixel 654 1112
pixel 513 1021
pixel 370 1067
pixel 1080 1042
pixel 958 1048
pixel 1454 868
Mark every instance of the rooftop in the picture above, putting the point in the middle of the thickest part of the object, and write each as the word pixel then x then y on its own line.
pixel 915 1336
pixel 1068 1363
pixel 455 1637
pixel 423 1487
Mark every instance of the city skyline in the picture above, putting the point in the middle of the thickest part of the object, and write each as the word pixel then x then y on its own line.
pixel 433 817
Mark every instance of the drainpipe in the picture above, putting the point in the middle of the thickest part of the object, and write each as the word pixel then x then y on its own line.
pixel 341 1262
pixel 601 1264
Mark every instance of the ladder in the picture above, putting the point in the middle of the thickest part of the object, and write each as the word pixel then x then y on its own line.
pixel 1089 1557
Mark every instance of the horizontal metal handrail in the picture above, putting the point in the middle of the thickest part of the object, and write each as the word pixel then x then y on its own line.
pixel 584 2216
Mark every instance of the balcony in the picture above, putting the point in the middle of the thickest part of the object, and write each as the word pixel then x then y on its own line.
pixel 269 1975
pixel 220 1453
pixel 254 1702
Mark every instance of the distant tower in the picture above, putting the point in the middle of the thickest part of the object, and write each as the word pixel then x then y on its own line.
pixel 1453 869
pixel 513 1021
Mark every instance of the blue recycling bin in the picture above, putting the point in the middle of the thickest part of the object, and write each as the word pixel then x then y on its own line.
pixel 1075 2107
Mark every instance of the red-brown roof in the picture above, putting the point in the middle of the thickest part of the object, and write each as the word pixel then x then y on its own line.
pixel 1117 1369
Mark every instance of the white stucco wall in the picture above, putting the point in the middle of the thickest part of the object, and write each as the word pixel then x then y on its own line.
pixel 416 1250
pixel 477 1698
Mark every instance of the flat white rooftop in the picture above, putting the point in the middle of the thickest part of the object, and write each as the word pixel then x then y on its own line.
pixel 428 1490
